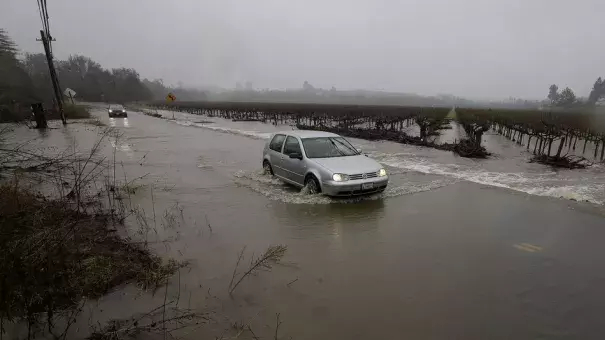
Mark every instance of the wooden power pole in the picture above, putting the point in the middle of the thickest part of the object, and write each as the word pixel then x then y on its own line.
pixel 53 75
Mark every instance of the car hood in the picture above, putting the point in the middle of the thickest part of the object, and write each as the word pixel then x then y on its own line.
pixel 349 164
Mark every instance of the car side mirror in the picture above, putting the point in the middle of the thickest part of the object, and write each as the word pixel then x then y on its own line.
pixel 359 151
pixel 296 155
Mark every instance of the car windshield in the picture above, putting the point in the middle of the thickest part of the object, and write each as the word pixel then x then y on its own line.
pixel 324 147
pixel 116 107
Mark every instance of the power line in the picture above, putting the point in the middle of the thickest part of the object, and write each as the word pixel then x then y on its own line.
pixel 46 39
pixel 44 18
pixel 41 14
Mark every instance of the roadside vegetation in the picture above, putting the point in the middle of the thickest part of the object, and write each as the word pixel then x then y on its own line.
pixel 70 233
pixel 25 79
pixel 60 246
pixel 54 257
pixel 19 113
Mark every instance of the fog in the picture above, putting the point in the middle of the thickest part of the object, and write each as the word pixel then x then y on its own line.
pixel 472 48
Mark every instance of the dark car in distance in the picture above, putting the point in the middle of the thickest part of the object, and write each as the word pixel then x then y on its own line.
pixel 116 110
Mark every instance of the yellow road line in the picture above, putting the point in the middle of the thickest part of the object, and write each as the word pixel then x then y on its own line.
pixel 527 247
pixel 531 246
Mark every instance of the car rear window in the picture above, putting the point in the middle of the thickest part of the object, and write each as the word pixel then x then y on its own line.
pixel 277 142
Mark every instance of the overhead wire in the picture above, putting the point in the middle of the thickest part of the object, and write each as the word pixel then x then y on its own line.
pixel 41 14
pixel 44 17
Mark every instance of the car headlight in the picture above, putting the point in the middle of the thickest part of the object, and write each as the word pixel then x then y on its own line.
pixel 382 172
pixel 110 110
pixel 340 177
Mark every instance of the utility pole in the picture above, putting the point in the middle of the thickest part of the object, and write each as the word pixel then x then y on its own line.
pixel 53 74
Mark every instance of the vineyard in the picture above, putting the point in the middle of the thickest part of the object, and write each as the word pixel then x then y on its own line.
pixel 553 137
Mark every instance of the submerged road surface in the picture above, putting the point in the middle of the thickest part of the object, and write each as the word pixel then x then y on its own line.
pixel 440 255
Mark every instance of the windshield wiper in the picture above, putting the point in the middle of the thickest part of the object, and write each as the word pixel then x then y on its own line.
pixel 336 146
pixel 347 146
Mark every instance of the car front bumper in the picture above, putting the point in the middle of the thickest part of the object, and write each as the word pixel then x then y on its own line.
pixel 354 188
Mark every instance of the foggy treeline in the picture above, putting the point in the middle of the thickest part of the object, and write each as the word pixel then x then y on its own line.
pixel 309 94
pixel 566 98
pixel 26 80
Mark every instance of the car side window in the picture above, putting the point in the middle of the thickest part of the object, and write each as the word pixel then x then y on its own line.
pixel 292 146
pixel 277 142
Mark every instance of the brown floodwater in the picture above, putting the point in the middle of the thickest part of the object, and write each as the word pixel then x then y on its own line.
pixel 454 249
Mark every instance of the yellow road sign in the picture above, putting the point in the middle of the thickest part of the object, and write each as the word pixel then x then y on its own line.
pixel 170 97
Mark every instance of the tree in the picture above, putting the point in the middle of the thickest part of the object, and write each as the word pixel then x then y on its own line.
pixel 29 81
pixel 157 88
pixel 94 83
pixel 307 86
pixel 567 98
pixel 553 94
pixel 8 48
pixel 36 66
pixel 87 78
pixel 598 92
pixel 15 84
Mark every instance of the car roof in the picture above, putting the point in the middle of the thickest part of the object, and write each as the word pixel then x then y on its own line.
pixel 307 133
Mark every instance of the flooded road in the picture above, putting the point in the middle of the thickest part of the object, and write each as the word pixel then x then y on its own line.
pixel 454 248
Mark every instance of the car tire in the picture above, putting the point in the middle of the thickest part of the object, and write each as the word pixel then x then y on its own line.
pixel 312 185
pixel 267 168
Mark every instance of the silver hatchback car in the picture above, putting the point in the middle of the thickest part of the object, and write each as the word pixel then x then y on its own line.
pixel 323 162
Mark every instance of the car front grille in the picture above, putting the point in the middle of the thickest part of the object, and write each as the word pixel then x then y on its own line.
pixel 363 176
pixel 362 191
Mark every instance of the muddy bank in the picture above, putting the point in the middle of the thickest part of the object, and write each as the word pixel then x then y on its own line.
pixel 65 255
pixel 61 215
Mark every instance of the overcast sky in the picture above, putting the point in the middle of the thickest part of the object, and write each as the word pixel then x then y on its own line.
pixel 472 48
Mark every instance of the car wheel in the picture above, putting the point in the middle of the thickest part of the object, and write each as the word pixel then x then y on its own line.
pixel 312 185
pixel 267 168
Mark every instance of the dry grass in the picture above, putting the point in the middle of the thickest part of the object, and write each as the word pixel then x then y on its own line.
pixel 95 122
pixel 265 262
pixel 164 319
pixel 54 257
pixel 60 251
pixel 76 111
pixel 152 112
